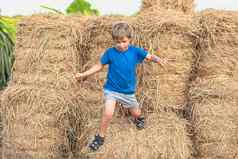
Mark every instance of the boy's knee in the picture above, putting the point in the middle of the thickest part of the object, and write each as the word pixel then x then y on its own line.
pixel 136 112
pixel 108 115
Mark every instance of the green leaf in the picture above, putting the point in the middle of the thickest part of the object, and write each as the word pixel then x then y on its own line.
pixel 81 6
pixel 51 9
pixel 7 28
pixel 6 53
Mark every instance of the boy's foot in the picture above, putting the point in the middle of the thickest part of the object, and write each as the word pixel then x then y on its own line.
pixel 139 122
pixel 96 143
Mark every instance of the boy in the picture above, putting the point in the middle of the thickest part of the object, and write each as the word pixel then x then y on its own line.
pixel 121 78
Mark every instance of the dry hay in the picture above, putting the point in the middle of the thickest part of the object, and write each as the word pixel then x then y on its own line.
pixel 44 65
pixel 213 92
pixel 175 35
pixel 51 48
pixel 185 6
pixel 215 125
pixel 37 120
pixel 219 31
pixel 165 137
pixel 219 86
pixel 54 28
pixel 215 120
pixel 33 117
pixel 44 61
pixel 63 80
pixel 48 43
pixel 44 91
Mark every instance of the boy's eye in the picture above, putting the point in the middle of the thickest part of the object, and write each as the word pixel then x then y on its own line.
pixel 121 41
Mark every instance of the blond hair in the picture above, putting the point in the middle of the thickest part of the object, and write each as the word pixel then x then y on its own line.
pixel 121 29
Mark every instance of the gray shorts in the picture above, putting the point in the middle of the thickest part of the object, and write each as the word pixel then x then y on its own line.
pixel 128 100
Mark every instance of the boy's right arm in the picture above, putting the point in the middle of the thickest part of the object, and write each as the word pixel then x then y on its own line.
pixel 92 70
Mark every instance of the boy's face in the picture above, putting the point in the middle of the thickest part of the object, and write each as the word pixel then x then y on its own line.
pixel 121 44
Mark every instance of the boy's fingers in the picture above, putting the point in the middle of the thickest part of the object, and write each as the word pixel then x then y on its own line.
pixel 77 76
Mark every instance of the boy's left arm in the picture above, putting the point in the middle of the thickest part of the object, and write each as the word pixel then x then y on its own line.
pixel 155 59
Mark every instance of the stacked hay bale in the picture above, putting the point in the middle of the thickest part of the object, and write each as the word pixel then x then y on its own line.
pixel 39 104
pixel 185 6
pixel 44 99
pixel 165 137
pixel 174 35
pixel 119 144
pixel 214 90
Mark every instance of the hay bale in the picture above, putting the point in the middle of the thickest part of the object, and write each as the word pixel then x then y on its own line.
pixel 55 80
pixel 218 150
pixel 34 119
pixel 213 92
pixel 47 43
pixel 165 136
pixel 44 61
pixel 43 98
pixel 55 28
pixel 218 42
pixel 185 6
pixel 175 35
pixel 38 121
pixel 215 120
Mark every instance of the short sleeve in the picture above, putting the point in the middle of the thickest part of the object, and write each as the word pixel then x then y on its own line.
pixel 105 58
pixel 141 55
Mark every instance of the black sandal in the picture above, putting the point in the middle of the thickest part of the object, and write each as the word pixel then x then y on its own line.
pixel 96 143
pixel 140 123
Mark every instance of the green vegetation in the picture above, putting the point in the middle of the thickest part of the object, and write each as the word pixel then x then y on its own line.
pixel 51 9
pixel 7 37
pixel 10 25
pixel 76 7
pixel 81 6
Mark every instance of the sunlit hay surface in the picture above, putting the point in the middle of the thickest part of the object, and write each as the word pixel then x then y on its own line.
pixel 38 120
pixel 51 48
pixel 185 6
pixel 165 136
pixel 174 34
pixel 213 93
pixel 44 101
pixel 33 113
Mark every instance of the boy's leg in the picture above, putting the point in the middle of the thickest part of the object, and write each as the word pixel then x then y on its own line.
pixel 138 120
pixel 135 112
pixel 106 118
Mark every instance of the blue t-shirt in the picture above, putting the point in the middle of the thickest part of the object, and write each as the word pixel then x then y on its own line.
pixel 121 75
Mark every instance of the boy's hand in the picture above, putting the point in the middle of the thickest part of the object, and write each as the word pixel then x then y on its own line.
pixel 156 59
pixel 79 76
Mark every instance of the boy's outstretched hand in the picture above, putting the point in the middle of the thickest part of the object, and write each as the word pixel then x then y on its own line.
pixel 79 76
pixel 156 59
